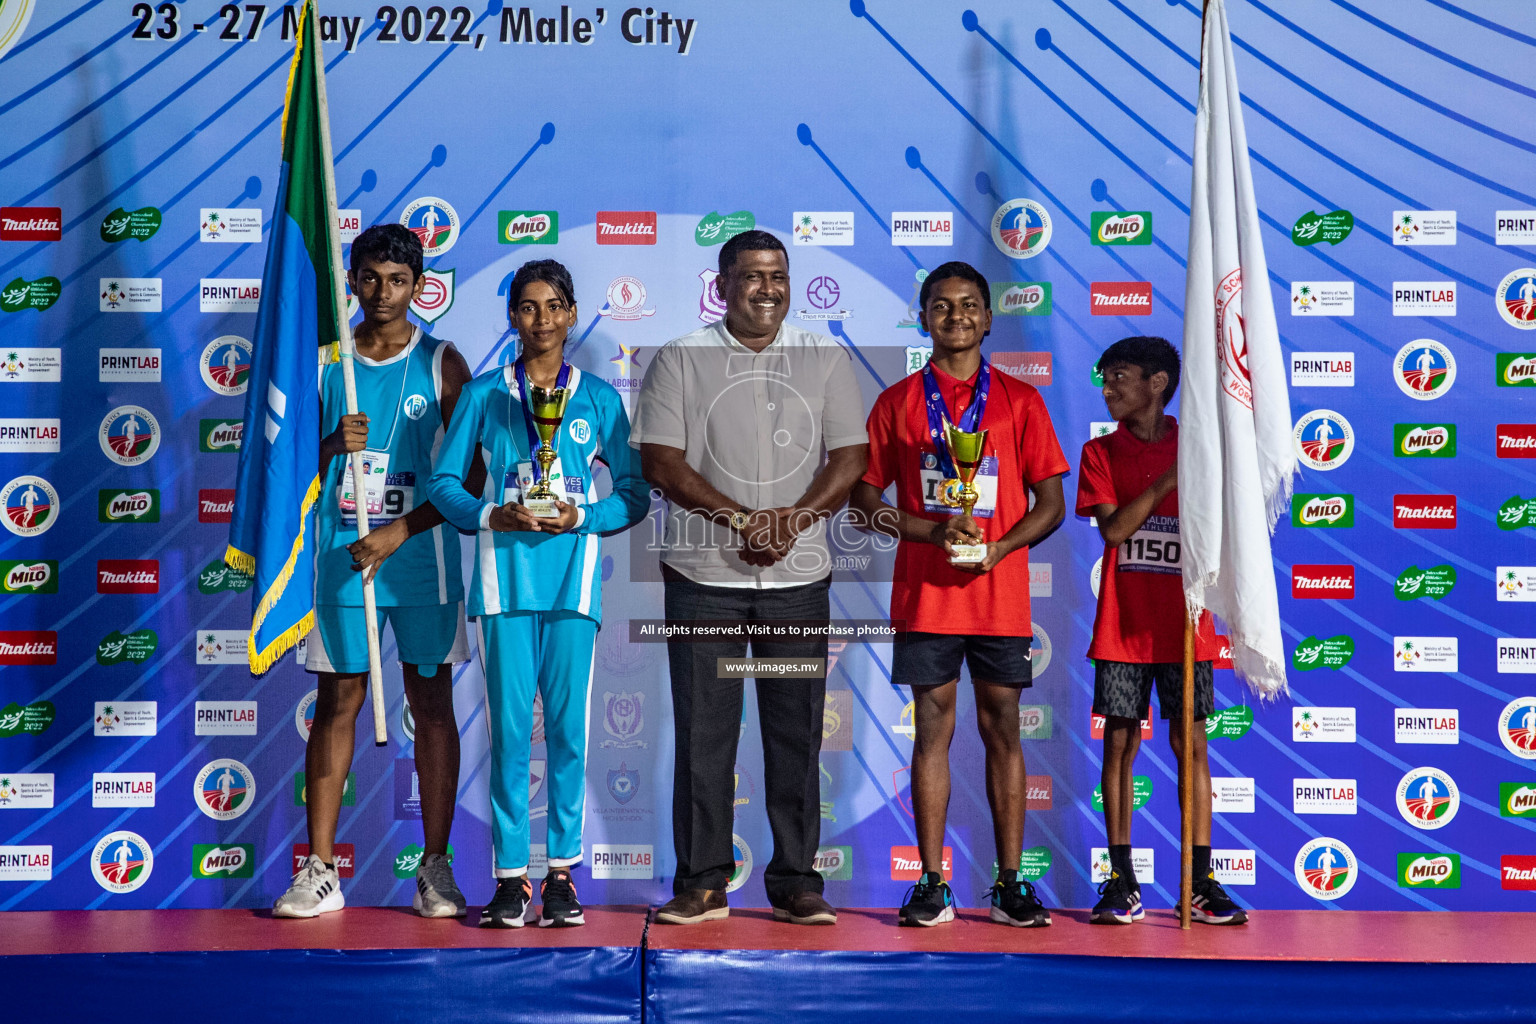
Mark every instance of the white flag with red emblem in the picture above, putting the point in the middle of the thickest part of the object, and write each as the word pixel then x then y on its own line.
pixel 1236 460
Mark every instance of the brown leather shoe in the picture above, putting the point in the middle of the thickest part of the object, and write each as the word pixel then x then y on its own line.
pixel 805 908
pixel 692 906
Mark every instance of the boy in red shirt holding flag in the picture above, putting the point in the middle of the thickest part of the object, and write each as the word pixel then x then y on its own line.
pixel 1128 480
pixel 946 609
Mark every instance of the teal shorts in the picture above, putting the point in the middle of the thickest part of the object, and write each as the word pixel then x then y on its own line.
pixel 425 635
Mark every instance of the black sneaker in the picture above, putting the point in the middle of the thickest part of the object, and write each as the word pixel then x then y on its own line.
pixel 1015 903
pixel 1210 904
pixel 928 903
pixel 509 906
pixel 1119 901
pixel 558 894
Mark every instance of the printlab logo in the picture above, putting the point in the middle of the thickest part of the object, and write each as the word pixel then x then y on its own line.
pixel 1326 869
pixel 433 221
pixel 1427 798
pixel 128 364
pixel 623 718
pixel 1323 370
pixel 1424 369
pixel 1439 726
pixel 129 435
pixel 1324 439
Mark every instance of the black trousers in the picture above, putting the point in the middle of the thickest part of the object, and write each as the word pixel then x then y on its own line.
pixel 706 717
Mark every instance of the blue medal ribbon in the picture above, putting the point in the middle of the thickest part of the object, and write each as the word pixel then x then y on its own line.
pixel 561 380
pixel 969 419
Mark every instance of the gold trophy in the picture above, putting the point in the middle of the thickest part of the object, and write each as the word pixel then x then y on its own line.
pixel 965 451
pixel 547 406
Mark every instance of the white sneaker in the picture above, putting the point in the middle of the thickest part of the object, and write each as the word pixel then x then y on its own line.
pixel 437 894
pixel 316 890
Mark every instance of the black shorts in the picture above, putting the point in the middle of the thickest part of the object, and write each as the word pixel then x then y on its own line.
pixel 930 659
pixel 1124 690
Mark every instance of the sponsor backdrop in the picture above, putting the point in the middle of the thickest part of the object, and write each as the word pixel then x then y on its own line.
pixel 142 766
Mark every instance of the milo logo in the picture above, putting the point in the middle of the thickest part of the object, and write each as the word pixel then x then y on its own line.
pixel 1130 228
pixel 220 435
pixel 536 227
pixel 1035 721
pixel 1414 582
pixel 1424 440
pixel 1517 800
pixel 834 862
pixel 1517 512
pixel 1429 870
pixel 1229 723
pixel 237 860
pixel 29 577
pixel 1021 298
pixel 1334 652
pixel 1516 369
pixel 1323 510
pixel 128 506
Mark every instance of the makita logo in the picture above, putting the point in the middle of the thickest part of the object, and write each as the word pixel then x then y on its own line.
pixel 1323 581
pixel 1120 298
pixel 215 506
pixel 1516 440
pixel 626 227
pixel 31 223
pixel 1517 871
pixel 127 576
pixel 1424 511
pixel 29 647
pixel 907 863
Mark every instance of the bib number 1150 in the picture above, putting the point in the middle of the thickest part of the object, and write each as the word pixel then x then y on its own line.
pixel 1156 547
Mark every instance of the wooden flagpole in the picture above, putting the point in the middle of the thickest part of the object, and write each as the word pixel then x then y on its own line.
pixel 349 383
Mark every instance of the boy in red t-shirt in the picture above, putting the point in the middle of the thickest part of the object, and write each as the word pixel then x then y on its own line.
pixel 1128 481
pixel 944 611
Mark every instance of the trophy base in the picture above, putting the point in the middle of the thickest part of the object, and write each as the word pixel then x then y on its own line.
pixel 967 554
pixel 541 508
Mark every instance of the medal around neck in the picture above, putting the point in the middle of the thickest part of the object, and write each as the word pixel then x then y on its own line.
pixel 965 449
pixel 547 407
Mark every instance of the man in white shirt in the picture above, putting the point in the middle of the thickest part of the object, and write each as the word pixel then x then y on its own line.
pixel 732 423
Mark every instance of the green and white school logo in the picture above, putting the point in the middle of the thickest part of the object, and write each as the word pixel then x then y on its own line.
pixel 1414 582
pixel 1429 870
pixel 1334 652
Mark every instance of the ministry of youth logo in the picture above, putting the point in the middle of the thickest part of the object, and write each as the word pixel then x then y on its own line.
pixel 1021 228
pixel 129 435
pixel 224 789
pixel 623 718
pixel 1427 798
pixel 1232 340
pixel 1326 869
pixel 226 365
pixel 433 221
pixel 1324 439
pixel 1424 369
pixel 1516 298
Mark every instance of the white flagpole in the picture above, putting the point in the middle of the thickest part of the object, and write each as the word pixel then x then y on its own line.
pixel 349 384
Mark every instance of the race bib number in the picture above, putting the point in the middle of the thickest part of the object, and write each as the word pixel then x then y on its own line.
pixel 387 496
pixel 1156 547
pixel 933 482
pixel 515 485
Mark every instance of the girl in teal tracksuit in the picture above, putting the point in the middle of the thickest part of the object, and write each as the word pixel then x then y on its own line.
pixel 537 582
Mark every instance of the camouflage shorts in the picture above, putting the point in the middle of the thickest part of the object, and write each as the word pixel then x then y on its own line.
pixel 1124 690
